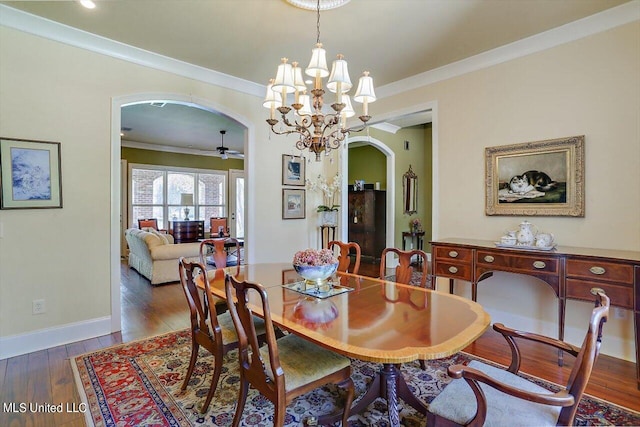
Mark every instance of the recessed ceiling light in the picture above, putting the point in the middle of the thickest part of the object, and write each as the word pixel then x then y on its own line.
pixel 89 4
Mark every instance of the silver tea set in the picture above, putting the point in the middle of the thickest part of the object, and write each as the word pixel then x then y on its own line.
pixel 528 235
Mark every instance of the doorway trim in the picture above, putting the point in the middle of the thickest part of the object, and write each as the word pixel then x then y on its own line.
pixel 391 187
pixel 435 186
pixel 116 122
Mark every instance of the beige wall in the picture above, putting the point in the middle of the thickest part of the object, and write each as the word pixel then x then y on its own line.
pixel 51 91
pixel 55 92
pixel 588 87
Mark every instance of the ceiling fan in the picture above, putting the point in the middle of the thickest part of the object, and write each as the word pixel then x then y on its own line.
pixel 226 150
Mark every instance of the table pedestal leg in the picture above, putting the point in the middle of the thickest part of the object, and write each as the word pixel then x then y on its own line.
pixel 390 385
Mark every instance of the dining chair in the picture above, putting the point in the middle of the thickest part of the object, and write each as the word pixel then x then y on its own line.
pixel 286 367
pixel 218 224
pixel 404 270
pixel 344 259
pixel 504 398
pixel 149 223
pixel 221 252
pixel 215 333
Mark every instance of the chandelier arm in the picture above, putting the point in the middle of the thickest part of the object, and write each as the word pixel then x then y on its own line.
pixel 286 132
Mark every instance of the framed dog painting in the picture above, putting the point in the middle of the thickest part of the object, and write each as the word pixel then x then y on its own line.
pixel 536 178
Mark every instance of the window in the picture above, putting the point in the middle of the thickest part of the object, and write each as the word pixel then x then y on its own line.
pixel 156 193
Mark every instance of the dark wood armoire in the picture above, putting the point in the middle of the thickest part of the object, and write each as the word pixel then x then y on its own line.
pixel 368 221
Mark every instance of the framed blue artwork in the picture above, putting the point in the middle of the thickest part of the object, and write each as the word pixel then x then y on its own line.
pixel 293 170
pixel 30 174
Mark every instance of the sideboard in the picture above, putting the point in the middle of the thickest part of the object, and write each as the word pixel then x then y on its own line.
pixel 570 271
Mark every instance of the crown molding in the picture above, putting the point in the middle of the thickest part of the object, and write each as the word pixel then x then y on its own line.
pixel 603 21
pixel 597 23
pixel 171 149
pixel 48 29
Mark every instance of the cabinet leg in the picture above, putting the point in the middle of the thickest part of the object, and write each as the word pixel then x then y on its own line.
pixel 561 310
pixel 450 286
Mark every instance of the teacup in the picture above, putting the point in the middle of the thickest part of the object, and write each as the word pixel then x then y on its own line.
pixel 544 240
pixel 508 240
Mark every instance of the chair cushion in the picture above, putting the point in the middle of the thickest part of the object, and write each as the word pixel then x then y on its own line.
pixel 458 403
pixel 303 362
pixel 229 333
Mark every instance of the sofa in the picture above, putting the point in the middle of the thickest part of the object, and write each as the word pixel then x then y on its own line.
pixel 154 255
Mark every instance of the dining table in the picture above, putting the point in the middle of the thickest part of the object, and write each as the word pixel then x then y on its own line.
pixel 365 318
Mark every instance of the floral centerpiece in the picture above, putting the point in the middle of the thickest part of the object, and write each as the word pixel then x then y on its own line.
pixel 415 225
pixel 330 191
pixel 315 266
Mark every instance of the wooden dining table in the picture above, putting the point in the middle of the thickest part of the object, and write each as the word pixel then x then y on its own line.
pixel 374 320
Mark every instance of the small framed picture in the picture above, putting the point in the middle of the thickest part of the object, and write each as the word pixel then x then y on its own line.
pixel 293 203
pixel 293 170
pixel 31 174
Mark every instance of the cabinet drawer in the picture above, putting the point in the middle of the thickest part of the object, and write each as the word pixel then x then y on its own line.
pixel 450 253
pixel 453 270
pixel 621 296
pixel 593 269
pixel 516 263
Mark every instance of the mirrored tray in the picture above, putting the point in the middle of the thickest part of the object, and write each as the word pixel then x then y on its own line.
pixel 524 247
pixel 313 291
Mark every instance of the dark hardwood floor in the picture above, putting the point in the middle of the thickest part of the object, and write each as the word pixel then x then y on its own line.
pixel 46 377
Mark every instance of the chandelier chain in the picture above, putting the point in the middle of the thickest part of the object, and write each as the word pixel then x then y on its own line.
pixel 318 23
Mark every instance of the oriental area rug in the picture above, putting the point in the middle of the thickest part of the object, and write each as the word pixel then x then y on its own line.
pixel 138 383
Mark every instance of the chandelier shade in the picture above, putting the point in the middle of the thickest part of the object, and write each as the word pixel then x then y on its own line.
pixel 339 80
pixel 318 131
pixel 284 78
pixel 318 64
pixel 348 110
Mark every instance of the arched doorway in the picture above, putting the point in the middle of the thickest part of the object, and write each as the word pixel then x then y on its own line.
pixel 115 179
pixel 390 163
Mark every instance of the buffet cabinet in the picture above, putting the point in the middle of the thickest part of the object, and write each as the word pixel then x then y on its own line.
pixel 368 221
pixel 571 272
pixel 186 231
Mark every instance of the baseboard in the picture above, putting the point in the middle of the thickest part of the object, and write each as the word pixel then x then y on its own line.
pixel 17 345
pixel 615 346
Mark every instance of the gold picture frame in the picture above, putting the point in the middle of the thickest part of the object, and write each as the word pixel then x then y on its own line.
pixel 541 178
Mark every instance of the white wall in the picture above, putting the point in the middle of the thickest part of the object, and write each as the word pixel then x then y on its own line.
pixel 52 91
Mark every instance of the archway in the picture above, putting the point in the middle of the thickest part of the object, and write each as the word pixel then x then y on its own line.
pixel 116 104
pixel 390 210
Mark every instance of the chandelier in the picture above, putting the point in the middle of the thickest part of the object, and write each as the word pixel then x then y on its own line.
pixel 318 130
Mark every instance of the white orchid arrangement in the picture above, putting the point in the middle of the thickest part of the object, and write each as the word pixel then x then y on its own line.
pixel 329 190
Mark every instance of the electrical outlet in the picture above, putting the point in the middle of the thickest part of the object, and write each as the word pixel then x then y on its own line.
pixel 619 313
pixel 39 306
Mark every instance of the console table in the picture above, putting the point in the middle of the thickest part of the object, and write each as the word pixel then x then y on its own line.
pixel 571 272
pixel 186 231
pixel 418 236
pixel 327 234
